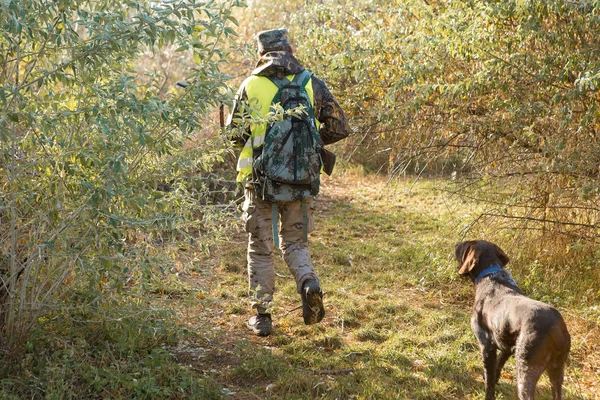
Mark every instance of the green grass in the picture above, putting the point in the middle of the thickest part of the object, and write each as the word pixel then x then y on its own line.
pixel 107 353
pixel 397 323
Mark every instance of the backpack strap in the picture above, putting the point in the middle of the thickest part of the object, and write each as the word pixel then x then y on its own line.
pixel 303 77
pixel 300 79
pixel 274 215
pixel 280 83
pixel 305 220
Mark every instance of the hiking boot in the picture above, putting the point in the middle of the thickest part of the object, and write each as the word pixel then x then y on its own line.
pixel 260 324
pixel 312 302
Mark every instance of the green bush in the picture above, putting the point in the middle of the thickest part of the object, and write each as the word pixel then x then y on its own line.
pixel 497 92
pixel 98 188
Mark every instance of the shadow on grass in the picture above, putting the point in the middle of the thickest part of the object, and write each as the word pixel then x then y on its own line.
pixel 397 324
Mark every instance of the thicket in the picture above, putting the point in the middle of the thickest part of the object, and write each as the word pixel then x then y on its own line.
pixel 101 192
pixel 501 91
pixel 499 96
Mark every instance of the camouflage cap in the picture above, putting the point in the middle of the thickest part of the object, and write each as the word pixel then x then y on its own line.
pixel 272 40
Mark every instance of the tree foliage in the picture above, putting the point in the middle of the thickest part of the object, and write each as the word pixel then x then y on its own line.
pixel 95 181
pixel 501 91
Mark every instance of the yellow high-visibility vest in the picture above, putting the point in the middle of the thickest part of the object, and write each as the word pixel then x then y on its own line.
pixel 261 92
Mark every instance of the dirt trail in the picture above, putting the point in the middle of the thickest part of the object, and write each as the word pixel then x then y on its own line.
pixel 375 313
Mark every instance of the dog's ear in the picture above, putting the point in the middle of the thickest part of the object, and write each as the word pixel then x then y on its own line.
pixel 469 257
pixel 501 255
pixel 460 251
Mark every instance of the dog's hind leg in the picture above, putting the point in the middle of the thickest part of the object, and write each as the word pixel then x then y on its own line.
pixel 556 373
pixel 556 367
pixel 527 378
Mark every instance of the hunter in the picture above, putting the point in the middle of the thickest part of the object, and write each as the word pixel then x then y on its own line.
pixel 279 166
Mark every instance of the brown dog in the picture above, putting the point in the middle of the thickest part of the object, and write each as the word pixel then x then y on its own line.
pixel 505 320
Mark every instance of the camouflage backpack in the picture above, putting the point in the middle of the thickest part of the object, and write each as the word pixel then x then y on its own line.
pixel 287 167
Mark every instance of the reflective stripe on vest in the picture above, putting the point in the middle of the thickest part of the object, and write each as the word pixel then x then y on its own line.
pixel 260 92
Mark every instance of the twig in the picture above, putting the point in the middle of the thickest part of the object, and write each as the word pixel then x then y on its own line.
pixel 542 220
pixel 334 371
pixel 297 308
pixel 417 178
pixel 291 311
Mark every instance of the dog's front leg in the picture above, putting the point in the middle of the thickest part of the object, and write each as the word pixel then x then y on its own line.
pixel 489 364
pixel 488 353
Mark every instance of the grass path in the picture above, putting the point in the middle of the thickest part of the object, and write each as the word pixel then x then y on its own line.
pixel 397 323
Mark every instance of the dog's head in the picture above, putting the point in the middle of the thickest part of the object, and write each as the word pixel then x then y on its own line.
pixel 474 256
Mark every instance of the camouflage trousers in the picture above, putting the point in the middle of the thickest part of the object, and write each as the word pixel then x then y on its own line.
pixel 258 224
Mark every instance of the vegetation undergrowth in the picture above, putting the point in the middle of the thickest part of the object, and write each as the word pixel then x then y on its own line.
pixel 120 351
pixel 397 323
pixel 119 279
pixel 398 315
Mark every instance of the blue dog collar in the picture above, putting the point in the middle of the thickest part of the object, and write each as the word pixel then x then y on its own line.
pixel 486 272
